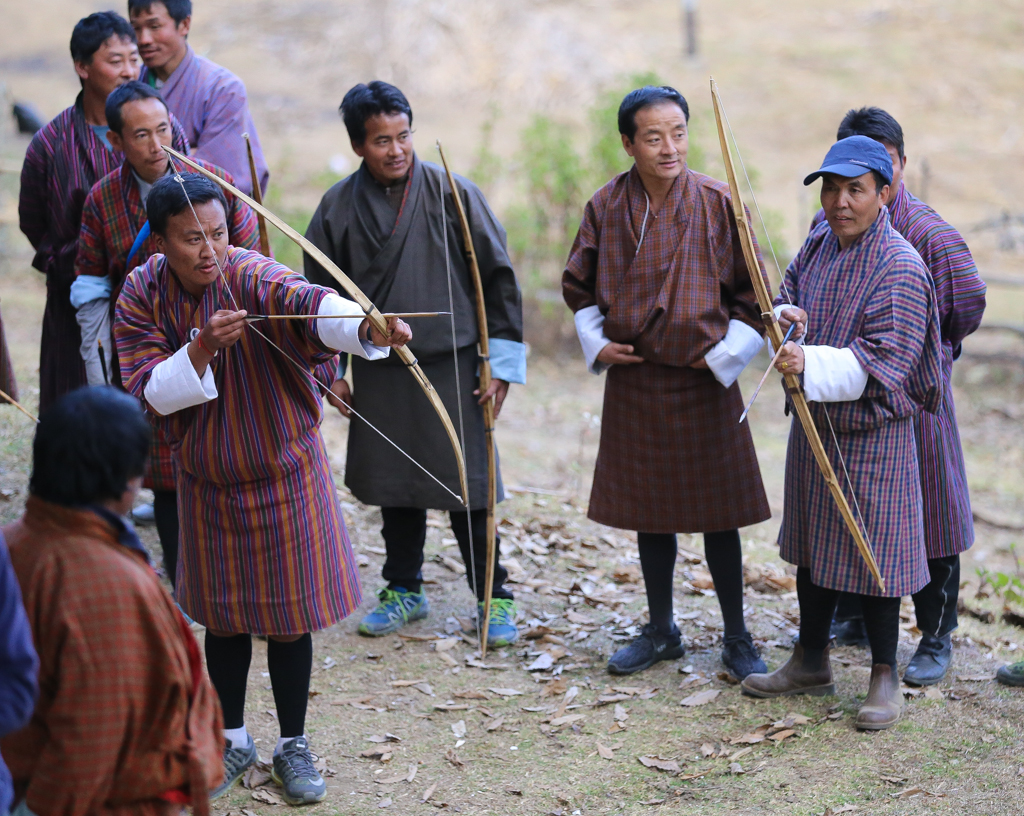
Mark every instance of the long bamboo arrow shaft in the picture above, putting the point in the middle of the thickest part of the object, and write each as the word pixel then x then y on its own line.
pixel 254 318
pixel 764 301
pixel 18 405
pixel 488 407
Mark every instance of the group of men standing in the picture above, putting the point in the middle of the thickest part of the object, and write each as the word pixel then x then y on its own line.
pixel 155 287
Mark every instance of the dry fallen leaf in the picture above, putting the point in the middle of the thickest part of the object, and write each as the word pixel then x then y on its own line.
pixel 707 749
pixel 268 796
pixel 568 719
pixel 754 737
pixel 445 644
pixel 659 763
pixel 932 693
pixel 471 695
pixel 370 753
pixel 735 768
pixel 543 662
pixel 405 683
pixel 506 692
pixel 779 736
pixel 700 698
pixel 383 803
pixel 494 725
pixel 257 775
pixel 741 753
pixel 459 729
pixel 620 714
pixel 838 810
pixel 605 751
pixel 453 758
pixel 385 738
pixel 428 793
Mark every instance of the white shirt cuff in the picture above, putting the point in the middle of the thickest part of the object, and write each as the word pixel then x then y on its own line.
pixel 778 310
pixel 174 384
pixel 733 352
pixel 832 374
pixel 343 335
pixel 590 329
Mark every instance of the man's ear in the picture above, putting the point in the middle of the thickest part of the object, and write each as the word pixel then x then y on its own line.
pixel 159 239
pixel 627 144
pixel 185 26
pixel 357 149
pixel 115 140
pixel 82 69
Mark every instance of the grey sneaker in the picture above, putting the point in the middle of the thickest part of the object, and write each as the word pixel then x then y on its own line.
pixel 236 763
pixel 295 773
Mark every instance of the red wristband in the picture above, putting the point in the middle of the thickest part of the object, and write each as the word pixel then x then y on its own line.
pixel 199 339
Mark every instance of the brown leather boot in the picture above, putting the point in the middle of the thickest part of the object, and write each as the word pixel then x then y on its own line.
pixel 884 705
pixel 793 678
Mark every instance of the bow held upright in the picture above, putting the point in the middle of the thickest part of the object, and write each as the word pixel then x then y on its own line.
pixel 774 330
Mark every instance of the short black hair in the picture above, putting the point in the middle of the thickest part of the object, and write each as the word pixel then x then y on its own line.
pixel 365 101
pixel 874 123
pixel 643 98
pixel 92 31
pixel 167 199
pixel 123 94
pixel 177 9
pixel 880 181
pixel 89 444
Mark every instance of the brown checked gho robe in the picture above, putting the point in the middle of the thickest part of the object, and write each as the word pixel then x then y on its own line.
pixel 673 457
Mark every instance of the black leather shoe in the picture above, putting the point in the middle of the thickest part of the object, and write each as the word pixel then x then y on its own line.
pixel 930 662
pixel 646 650
pixel 741 657
pixel 850 633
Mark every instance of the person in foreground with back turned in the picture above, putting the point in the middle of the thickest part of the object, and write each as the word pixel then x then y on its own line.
pixel 867 343
pixel 664 302
pixel 263 546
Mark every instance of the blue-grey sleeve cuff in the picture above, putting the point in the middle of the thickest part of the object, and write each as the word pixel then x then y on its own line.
pixel 508 360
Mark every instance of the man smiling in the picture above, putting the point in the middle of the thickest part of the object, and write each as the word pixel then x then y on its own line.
pixel 209 100
pixel 868 343
pixel 663 301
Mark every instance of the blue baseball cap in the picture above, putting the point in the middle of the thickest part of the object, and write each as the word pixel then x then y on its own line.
pixel 854 156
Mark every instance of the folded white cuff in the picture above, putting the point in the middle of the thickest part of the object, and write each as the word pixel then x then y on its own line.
pixel 343 335
pixel 590 329
pixel 174 384
pixel 832 374
pixel 733 352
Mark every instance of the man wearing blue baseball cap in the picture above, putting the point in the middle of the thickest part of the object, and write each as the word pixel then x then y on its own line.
pixel 867 342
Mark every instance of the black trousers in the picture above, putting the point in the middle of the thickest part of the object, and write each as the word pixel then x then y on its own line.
pixel 405 534
pixel 935 603
pixel 165 513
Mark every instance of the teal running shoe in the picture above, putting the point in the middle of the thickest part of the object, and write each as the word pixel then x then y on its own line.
pixel 397 607
pixel 501 626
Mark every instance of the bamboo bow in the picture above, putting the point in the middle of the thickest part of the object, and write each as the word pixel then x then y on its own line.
pixel 793 388
pixel 372 313
pixel 257 194
pixel 484 353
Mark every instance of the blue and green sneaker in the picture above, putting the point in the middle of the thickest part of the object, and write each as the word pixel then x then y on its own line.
pixel 397 607
pixel 501 625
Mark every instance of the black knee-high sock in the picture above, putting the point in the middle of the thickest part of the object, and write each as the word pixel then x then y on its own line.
pixel 882 622
pixel 817 606
pixel 725 562
pixel 227 661
pixel 658 562
pixel 290 666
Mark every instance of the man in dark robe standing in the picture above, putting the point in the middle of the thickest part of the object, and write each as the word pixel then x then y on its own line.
pixel 385 227
pixel 62 163
pixel 663 301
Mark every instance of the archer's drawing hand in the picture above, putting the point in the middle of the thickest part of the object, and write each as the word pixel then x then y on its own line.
pixel 341 397
pixel 223 330
pixel 792 315
pixel 618 354
pixel 791 360
pixel 497 389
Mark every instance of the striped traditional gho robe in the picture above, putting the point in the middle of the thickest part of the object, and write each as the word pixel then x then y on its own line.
pixel 212 105
pixel 263 544
pixel 672 457
pixel 111 220
pixel 875 298
pixel 62 163
pixel 960 297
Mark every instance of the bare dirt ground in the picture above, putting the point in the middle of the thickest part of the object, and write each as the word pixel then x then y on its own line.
pixel 570 739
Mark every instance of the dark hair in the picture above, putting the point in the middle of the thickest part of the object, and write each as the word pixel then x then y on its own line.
pixel 177 9
pixel 92 31
pixel 167 198
pixel 89 444
pixel 874 123
pixel 365 101
pixel 123 94
pixel 880 181
pixel 643 98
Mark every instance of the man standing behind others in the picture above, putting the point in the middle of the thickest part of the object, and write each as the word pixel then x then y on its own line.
pixel 62 163
pixel 664 302
pixel 209 100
